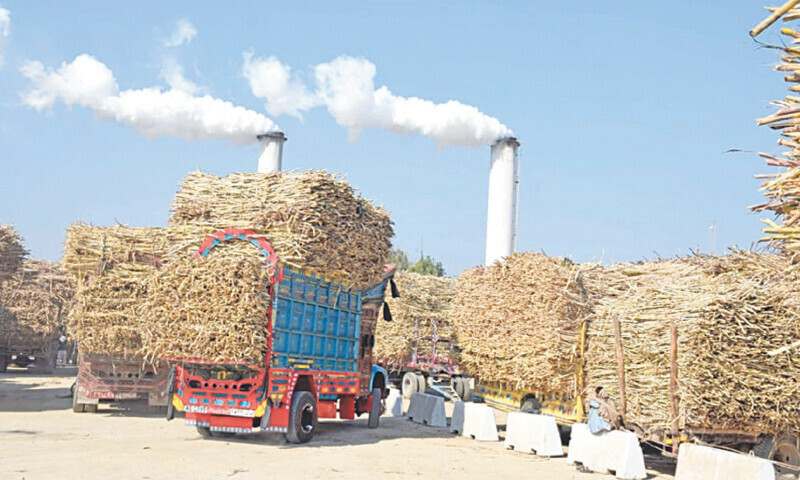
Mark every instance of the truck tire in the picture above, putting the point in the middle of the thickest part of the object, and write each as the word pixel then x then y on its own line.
pixel 422 383
pixel 204 432
pixel 410 384
pixel 375 409
pixel 531 405
pixel 3 363
pixel 462 388
pixel 302 417
pixel 781 448
pixel 76 407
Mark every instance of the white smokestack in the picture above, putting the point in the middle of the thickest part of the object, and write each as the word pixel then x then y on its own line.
pixel 501 218
pixel 270 153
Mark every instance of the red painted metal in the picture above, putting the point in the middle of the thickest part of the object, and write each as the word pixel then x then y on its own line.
pixel 326 409
pixel 347 407
pixel 108 377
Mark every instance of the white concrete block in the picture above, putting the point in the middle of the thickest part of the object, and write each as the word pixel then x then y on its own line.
pixel 698 462
pixel 529 433
pixel 427 410
pixel 394 403
pixel 614 451
pixel 457 420
pixel 479 422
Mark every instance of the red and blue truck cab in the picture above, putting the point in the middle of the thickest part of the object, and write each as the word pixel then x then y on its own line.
pixel 317 360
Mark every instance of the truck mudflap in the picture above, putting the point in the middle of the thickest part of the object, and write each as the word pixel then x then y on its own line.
pixel 111 377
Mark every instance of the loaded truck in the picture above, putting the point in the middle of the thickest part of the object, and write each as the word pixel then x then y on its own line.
pixel 435 371
pixel 36 354
pixel 317 361
pixel 116 379
pixel 568 408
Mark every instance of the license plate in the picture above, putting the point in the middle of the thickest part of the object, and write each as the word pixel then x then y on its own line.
pixel 237 412
pixel 126 396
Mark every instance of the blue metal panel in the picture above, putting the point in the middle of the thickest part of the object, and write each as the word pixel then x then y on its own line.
pixel 317 323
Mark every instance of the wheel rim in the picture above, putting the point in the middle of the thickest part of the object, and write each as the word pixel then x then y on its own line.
pixel 307 418
pixel 787 453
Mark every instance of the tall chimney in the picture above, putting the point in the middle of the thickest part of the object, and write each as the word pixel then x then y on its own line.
pixel 501 219
pixel 271 152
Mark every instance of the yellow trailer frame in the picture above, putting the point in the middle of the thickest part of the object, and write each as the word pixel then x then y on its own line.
pixel 566 407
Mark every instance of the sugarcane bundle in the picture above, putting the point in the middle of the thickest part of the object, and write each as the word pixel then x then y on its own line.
pixel 34 304
pixel 213 309
pixel 731 314
pixel 518 321
pixel 645 298
pixel 12 251
pixel 782 189
pixel 314 220
pixel 91 249
pixel 110 266
pixel 424 304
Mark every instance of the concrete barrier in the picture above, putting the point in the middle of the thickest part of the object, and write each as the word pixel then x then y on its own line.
pixel 529 433
pixel 698 462
pixel 457 420
pixel 614 451
pixel 427 410
pixel 479 422
pixel 394 403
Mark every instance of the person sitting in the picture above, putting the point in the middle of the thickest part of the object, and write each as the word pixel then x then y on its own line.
pixel 603 415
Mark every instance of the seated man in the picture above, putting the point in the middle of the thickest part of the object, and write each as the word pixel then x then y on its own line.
pixel 603 415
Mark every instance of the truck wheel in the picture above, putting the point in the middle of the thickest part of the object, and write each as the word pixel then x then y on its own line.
pixel 422 383
pixel 410 384
pixel 531 405
pixel 462 388
pixel 204 432
pixel 76 407
pixel 782 448
pixel 375 409
pixel 3 363
pixel 90 407
pixel 302 418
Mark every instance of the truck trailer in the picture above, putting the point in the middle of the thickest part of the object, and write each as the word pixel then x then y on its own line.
pixel 317 361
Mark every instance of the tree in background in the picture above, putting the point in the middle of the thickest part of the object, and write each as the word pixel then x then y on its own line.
pixel 399 258
pixel 425 265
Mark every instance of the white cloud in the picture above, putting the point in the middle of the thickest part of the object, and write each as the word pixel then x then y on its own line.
pixel 172 73
pixel 5 31
pixel 346 86
pixel 153 112
pixel 184 33
pixel 272 80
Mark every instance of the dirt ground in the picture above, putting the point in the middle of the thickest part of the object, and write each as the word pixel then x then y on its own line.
pixel 41 438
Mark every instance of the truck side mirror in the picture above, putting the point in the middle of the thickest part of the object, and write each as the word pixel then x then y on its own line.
pixel 395 291
pixel 387 314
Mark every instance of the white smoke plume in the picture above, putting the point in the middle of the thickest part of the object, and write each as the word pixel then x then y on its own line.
pixel 153 112
pixel 5 30
pixel 346 86
pixel 184 33
pixel 272 80
pixel 172 73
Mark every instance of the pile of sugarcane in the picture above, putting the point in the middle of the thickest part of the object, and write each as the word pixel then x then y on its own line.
pixel 213 308
pixel 12 251
pixel 424 304
pixel 314 220
pixel 783 189
pixel 519 320
pixel 111 266
pixel 34 303
pixel 737 356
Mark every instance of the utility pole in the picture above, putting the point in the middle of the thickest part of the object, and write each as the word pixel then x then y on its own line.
pixel 713 237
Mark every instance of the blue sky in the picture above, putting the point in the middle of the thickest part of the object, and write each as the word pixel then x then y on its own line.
pixel 624 110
